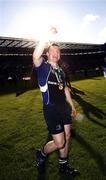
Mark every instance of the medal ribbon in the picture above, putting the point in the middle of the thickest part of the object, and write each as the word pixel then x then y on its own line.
pixel 58 77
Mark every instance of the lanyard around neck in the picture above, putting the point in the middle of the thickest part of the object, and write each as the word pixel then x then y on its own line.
pixel 57 73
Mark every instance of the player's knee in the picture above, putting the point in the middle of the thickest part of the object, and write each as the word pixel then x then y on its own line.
pixel 61 144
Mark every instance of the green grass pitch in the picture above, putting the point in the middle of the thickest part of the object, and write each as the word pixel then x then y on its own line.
pixel 23 130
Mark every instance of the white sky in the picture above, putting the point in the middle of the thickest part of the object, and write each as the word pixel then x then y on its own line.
pixel 76 20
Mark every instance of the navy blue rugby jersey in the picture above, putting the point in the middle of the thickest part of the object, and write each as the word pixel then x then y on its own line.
pixel 51 82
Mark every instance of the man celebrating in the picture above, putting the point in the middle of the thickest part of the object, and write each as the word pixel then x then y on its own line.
pixel 56 98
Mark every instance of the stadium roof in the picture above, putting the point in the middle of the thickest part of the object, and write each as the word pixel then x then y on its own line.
pixel 24 47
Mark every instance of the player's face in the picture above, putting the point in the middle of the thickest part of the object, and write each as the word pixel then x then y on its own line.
pixel 53 54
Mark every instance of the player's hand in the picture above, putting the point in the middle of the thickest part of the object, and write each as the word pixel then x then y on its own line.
pixel 53 30
pixel 74 112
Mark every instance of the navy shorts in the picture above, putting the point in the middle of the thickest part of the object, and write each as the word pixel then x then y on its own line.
pixel 56 117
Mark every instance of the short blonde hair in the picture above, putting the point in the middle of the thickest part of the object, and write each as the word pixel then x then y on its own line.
pixel 53 44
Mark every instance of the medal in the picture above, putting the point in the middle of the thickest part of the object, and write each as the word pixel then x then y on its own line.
pixel 60 86
pixel 57 73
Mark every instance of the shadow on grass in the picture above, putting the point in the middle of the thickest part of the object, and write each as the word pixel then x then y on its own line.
pixel 41 176
pixel 77 91
pixel 94 153
pixel 62 177
pixel 89 109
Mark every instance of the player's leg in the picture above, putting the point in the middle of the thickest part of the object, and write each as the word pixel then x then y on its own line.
pixel 63 159
pixel 58 142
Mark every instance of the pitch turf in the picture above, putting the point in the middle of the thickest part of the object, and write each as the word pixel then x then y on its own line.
pixel 22 130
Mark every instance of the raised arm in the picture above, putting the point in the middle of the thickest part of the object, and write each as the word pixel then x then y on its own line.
pixel 37 59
